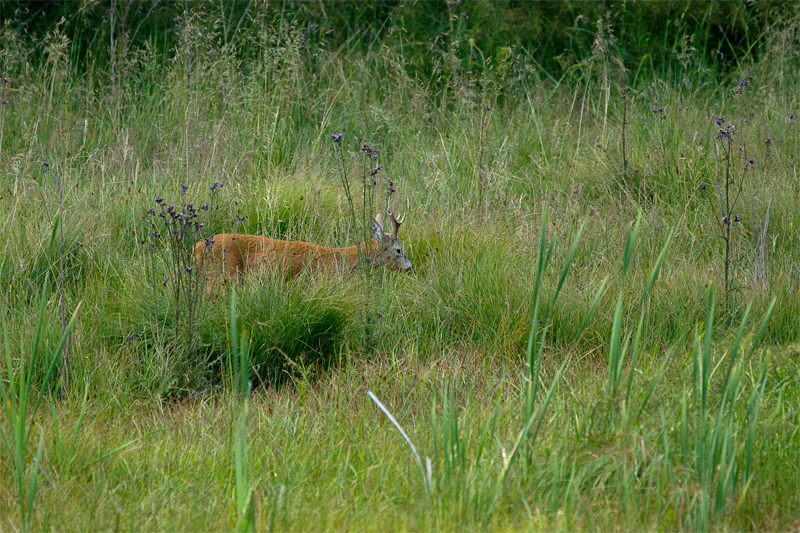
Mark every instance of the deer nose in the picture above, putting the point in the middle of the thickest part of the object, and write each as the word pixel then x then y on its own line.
pixel 406 263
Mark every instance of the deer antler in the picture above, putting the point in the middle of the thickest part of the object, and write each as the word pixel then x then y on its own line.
pixel 395 223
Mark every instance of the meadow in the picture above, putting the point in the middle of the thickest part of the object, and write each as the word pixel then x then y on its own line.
pixel 599 333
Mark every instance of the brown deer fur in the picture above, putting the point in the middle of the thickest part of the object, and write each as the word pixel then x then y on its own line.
pixel 234 254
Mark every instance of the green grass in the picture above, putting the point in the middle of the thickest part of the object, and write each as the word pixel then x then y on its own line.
pixel 563 356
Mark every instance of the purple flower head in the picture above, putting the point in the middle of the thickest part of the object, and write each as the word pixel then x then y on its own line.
pixel 370 151
pixel 205 206
pixel 720 121
pixel 736 218
pixel 159 200
pixel 171 207
pixel 392 190
pixel 183 188
pixel 788 119
pixel 725 219
pixel 209 241
pixel 703 186
pixel 337 137
pixel 487 108
pixel 215 187
pixel 751 161
pixel 465 15
pixel 746 121
pixel 44 164
pixel 375 170
pixel 164 283
pixel 768 141
pixel 151 211
pixel 188 269
pixel 5 102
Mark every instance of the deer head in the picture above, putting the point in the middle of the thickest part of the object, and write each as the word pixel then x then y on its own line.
pixel 391 249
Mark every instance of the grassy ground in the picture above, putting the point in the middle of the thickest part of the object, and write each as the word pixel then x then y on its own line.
pixel 646 405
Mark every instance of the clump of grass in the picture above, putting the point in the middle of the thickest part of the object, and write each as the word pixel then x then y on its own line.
pixel 294 327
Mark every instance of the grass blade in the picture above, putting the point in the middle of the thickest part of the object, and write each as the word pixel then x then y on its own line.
pixel 405 436
pixel 522 436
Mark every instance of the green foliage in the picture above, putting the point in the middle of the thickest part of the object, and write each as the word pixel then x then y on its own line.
pixel 293 327
pixel 20 403
pixel 240 363
pixel 545 379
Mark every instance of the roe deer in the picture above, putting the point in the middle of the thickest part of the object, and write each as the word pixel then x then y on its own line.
pixel 233 254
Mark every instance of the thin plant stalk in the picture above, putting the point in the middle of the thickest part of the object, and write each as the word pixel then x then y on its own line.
pixel 245 508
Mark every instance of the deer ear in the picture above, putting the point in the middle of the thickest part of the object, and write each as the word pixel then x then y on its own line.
pixel 377 228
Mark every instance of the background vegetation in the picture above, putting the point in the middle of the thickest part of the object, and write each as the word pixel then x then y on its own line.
pixel 648 395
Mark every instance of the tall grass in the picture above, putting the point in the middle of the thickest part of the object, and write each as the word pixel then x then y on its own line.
pixel 22 397
pixel 558 358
